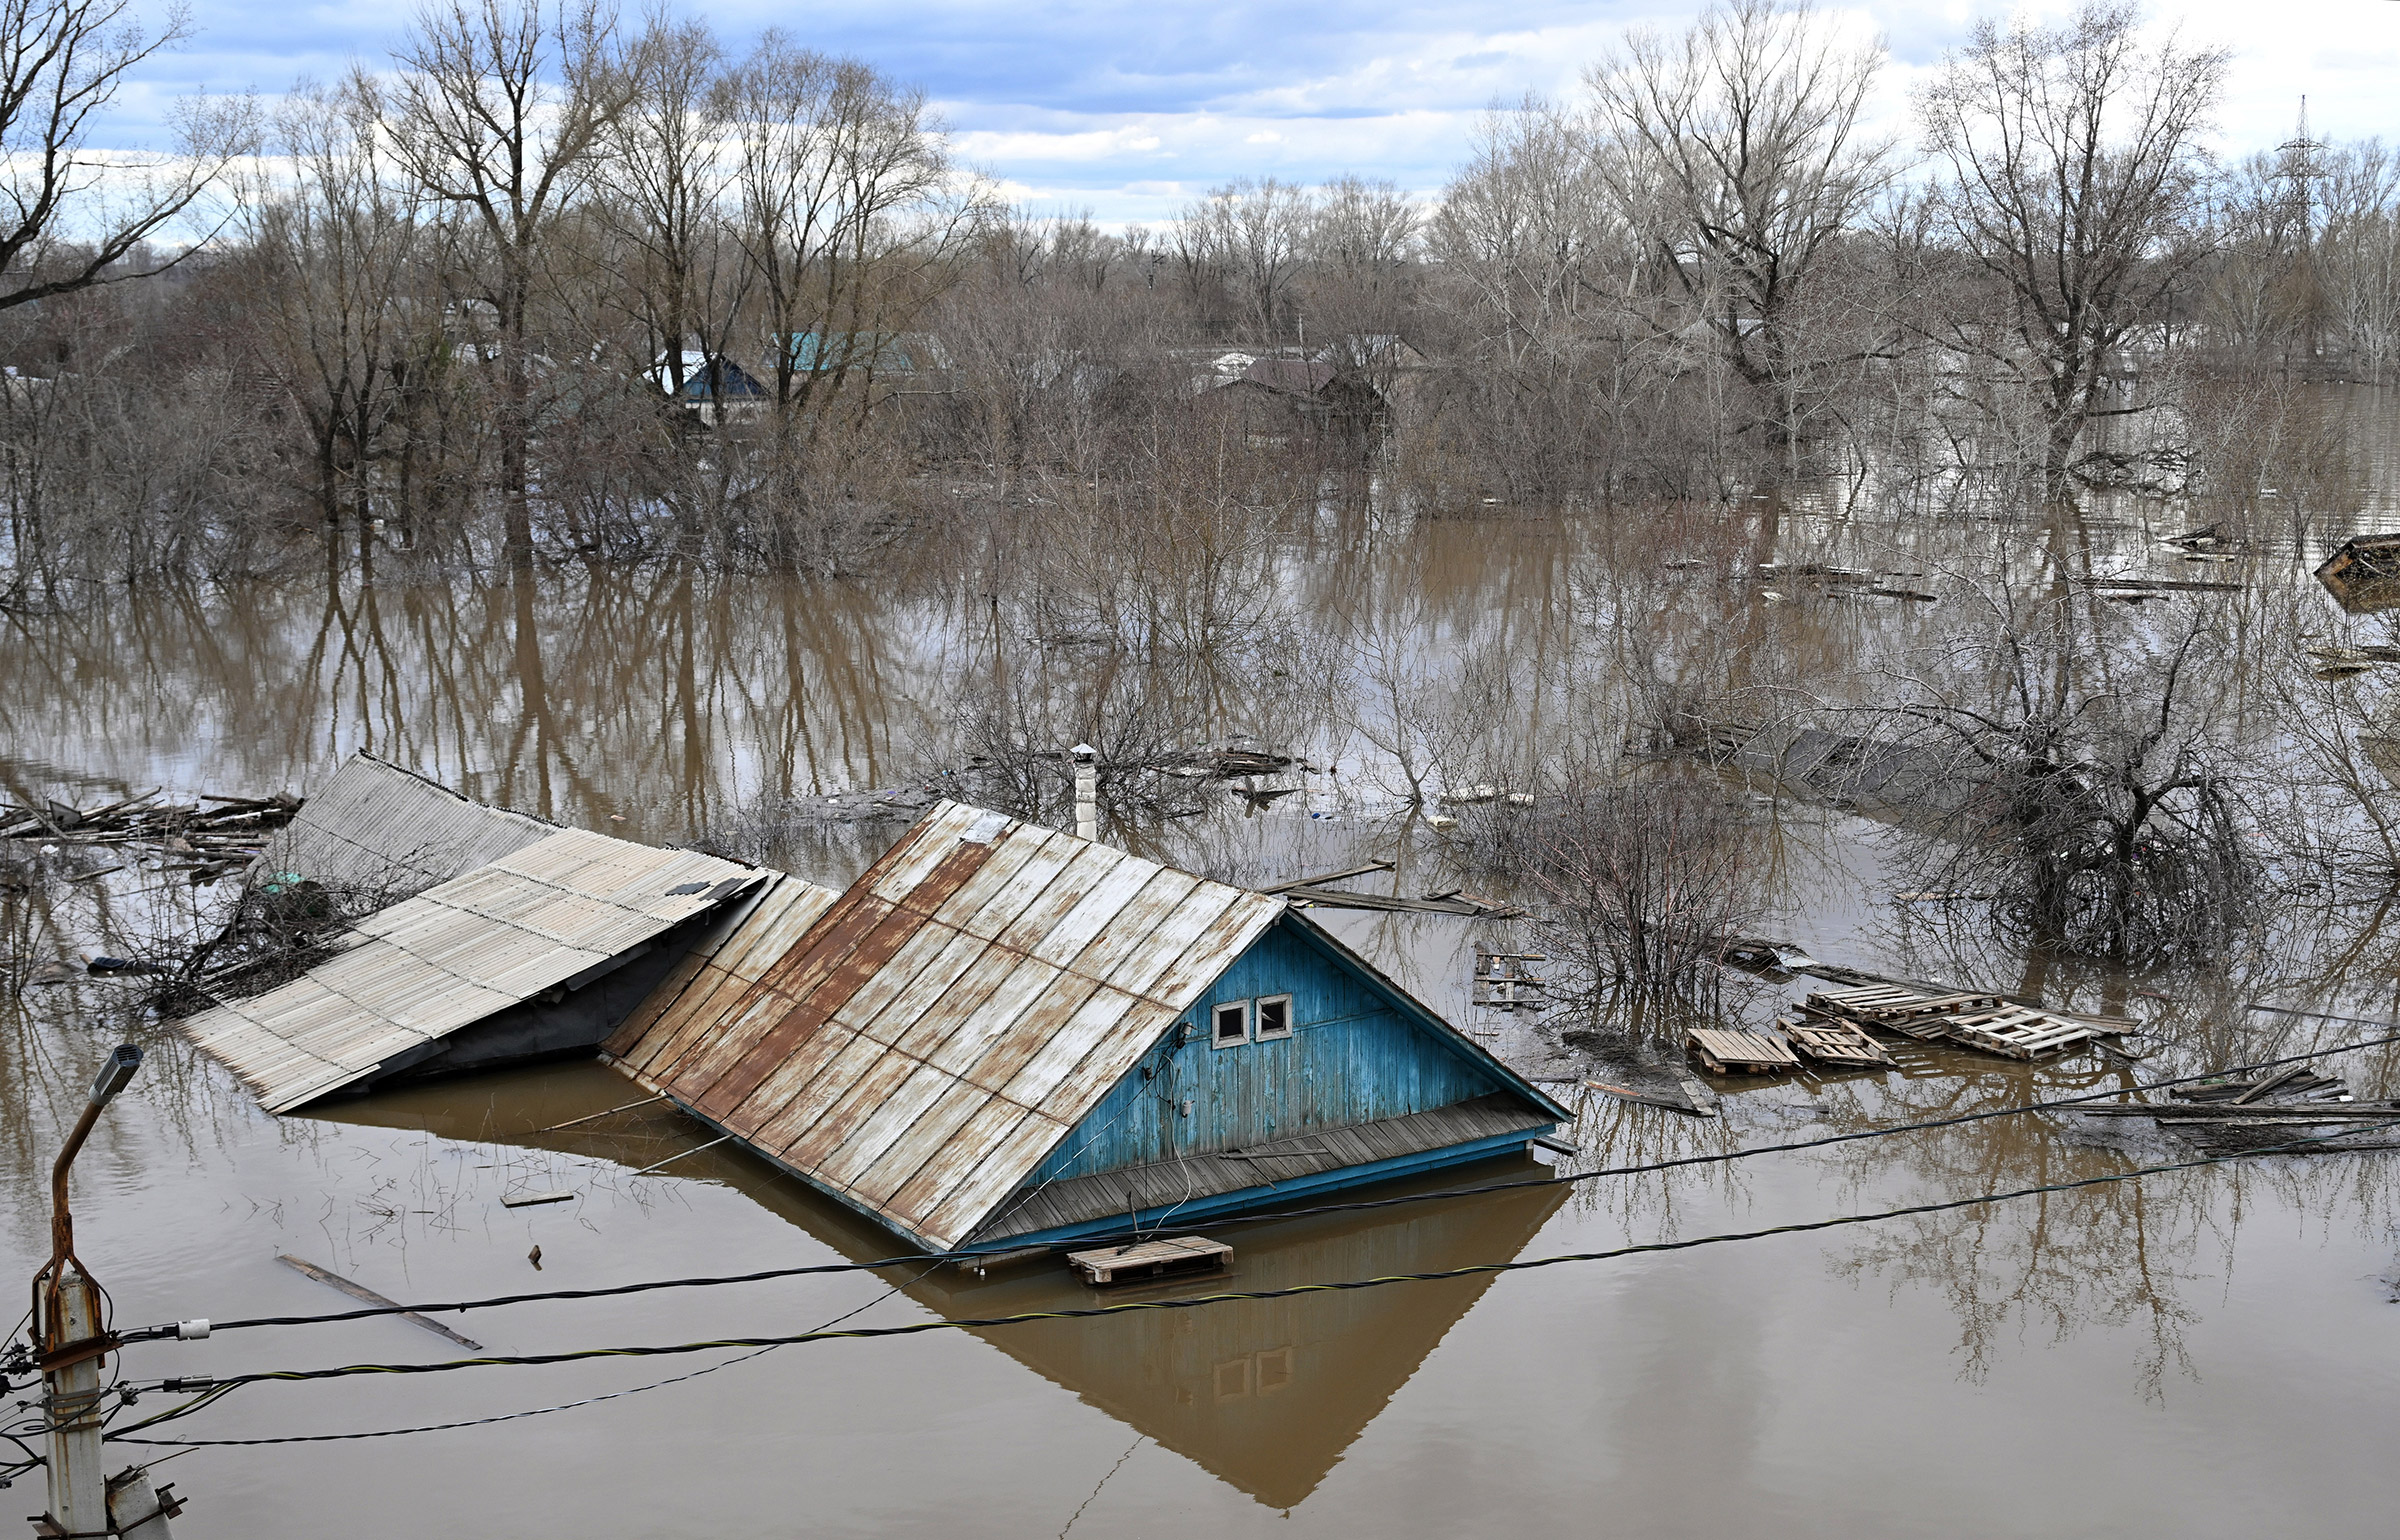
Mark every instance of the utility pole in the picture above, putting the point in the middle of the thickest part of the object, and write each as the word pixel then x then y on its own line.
pixel 71 1342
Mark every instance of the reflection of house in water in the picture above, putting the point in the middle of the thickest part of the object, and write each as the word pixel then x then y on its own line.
pixel 1266 1395
pixel 2363 574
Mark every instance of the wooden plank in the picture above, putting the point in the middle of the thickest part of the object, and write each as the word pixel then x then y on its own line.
pixel 360 1291
pixel 1310 882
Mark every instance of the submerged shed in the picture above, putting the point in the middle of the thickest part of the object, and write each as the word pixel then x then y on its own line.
pixel 537 954
pixel 376 826
pixel 2363 573
pixel 1002 1034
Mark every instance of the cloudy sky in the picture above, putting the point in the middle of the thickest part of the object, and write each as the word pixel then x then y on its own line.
pixel 1127 109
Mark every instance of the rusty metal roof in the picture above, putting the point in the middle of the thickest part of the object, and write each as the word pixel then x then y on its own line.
pixel 930 1035
pixel 726 963
pixel 455 954
pixel 375 825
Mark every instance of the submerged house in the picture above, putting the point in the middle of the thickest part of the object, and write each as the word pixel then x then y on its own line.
pixel 376 826
pixel 1004 1035
pixel 518 941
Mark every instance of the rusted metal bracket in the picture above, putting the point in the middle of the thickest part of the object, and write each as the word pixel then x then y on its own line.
pixel 76 1352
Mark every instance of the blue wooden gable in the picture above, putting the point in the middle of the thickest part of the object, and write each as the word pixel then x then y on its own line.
pixel 1359 1051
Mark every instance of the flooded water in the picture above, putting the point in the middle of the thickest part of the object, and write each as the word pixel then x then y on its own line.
pixel 2204 1351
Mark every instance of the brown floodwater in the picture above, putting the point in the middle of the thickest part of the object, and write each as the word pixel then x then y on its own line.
pixel 2202 1352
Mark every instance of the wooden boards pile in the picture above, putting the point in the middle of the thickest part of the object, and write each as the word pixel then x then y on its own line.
pixel 1984 1022
pixel 1826 1041
pixel 2293 1084
pixel 2295 1109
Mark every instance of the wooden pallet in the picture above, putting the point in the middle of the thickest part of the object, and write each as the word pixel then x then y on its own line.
pixel 1891 1005
pixel 1151 1259
pixel 1730 1051
pixel 2017 1032
pixel 1829 1040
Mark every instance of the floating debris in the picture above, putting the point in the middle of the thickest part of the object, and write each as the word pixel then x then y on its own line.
pixel 209 837
pixel 2363 573
pixel 1982 1021
pixel 2280 1110
pixel 1503 983
pixel 1830 1040
pixel 1734 1050
pixel 2114 586
pixel 360 1291
pixel 1177 1258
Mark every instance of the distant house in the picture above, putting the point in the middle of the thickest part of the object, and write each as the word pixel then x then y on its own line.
pixel 1003 1035
pixel 1279 397
pixel 1371 352
pixel 715 388
pixel 879 353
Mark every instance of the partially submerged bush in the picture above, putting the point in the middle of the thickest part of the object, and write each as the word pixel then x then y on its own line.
pixel 1638 885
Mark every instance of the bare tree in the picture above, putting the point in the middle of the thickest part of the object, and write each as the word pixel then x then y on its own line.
pixel 840 177
pixel 2083 766
pixel 2358 250
pixel 338 245
pixel 71 217
pixel 666 181
pixel 1738 149
pixel 2075 170
pixel 1253 234
pixel 499 108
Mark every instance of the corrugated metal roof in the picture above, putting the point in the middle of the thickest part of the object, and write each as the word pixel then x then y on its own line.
pixel 458 952
pixel 937 1029
pixel 375 825
pixel 725 964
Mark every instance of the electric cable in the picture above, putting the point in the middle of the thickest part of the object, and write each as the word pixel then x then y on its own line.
pixel 1356 1205
pixel 219 1391
pixel 1474 1270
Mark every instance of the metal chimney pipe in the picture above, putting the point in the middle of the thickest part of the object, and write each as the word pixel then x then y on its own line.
pixel 1087 791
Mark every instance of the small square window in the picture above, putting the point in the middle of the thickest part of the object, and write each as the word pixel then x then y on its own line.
pixel 1229 1024
pixel 1274 1017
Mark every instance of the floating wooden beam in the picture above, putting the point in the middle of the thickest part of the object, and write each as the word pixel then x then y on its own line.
pixel 360 1291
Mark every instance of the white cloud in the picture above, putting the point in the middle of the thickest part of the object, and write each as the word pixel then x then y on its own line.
pixel 1095 102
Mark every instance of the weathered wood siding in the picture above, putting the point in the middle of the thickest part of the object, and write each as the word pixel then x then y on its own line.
pixel 1354 1056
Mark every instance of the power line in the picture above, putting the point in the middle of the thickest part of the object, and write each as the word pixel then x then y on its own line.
pixel 1481 1269
pixel 223 1389
pixel 1354 1206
